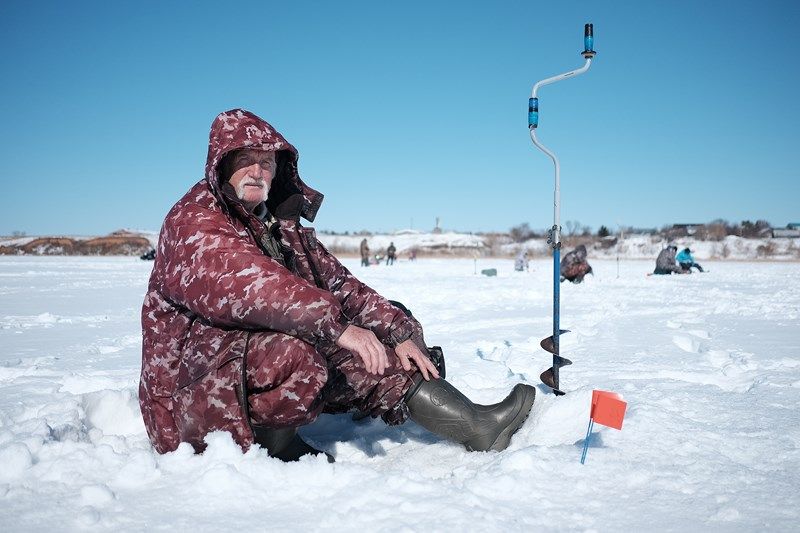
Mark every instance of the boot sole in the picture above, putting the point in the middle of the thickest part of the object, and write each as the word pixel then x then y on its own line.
pixel 504 438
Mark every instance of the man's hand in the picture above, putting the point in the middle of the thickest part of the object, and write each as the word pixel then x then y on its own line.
pixel 364 343
pixel 407 351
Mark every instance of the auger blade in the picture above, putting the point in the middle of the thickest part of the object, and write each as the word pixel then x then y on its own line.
pixel 548 345
pixel 550 376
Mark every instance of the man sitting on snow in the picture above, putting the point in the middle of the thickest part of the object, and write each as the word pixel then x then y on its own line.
pixel 665 262
pixel 251 326
pixel 574 265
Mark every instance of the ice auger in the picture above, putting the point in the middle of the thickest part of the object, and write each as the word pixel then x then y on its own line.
pixel 550 376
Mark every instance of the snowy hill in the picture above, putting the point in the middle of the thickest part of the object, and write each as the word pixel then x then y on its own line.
pixel 732 247
pixel 122 242
pixel 405 241
pixel 631 247
pixel 453 244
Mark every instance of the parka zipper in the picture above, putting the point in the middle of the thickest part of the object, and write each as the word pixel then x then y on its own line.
pixel 243 387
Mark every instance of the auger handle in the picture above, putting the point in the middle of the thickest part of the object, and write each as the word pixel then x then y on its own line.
pixel 588 41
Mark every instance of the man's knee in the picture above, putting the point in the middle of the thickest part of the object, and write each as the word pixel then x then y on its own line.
pixel 276 356
pixel 285 378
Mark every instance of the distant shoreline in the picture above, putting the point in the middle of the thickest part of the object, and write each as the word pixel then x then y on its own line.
pixel 644 247
pixel 446 257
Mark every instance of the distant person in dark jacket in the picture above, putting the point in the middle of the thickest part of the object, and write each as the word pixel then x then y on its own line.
pixel 665 263
pixel 574 265
pixel 391 254
pixel 686 261
pixel 364 249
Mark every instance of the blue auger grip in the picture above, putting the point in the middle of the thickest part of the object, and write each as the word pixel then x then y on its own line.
pixel 533 112
pixel 588 38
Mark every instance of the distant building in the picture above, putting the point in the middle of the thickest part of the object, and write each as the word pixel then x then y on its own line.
pixel 786 233
pixel 641 231
pixel 685 230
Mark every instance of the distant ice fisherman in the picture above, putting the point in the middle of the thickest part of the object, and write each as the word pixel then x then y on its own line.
pixel 391 254
pixel 686 261
pixel 671 262
pixel 521 263
pixel 363 249
pixel 574 265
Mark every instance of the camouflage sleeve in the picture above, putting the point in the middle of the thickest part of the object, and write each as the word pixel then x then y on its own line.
pixel 566 262
pixel 365 307
pixel 224 277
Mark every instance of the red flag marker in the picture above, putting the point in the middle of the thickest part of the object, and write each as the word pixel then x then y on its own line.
pixel 608 409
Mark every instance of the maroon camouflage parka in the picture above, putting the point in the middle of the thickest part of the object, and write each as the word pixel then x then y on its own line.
pixel 214 288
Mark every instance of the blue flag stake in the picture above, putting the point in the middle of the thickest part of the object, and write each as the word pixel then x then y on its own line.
pixel 586 442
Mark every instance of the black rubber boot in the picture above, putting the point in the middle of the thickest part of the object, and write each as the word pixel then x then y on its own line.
pixel 435 354
pixel 440 408
pixel 285 444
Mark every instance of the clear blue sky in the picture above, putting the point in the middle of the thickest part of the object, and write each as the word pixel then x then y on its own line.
pixel 405 111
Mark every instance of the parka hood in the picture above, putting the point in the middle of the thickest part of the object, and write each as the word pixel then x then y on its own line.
pixel 289 196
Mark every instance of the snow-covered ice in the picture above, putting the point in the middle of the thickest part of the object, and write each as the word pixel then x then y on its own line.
pixel 709 365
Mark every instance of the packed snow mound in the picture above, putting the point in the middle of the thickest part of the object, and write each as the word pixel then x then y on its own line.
pixel 709 365
pixel 121 242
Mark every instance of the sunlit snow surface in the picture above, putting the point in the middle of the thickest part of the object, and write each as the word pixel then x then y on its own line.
pixel 709 365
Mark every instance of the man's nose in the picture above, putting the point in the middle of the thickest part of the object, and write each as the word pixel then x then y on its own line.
pixel 258 170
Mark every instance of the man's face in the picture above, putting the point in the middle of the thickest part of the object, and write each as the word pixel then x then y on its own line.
pixel 251 175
